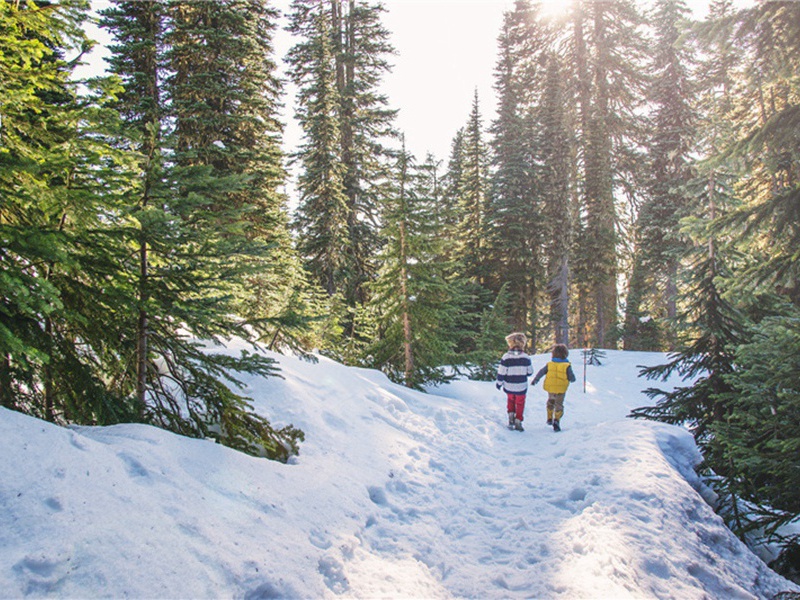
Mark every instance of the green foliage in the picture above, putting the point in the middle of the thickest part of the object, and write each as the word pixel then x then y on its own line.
pixel 338 61
pixel 490 342
pixel 712 330
pixel 132 216
pixel 515 228
pixel 471 193
pixel 414 303
pixel 660 245
pixel 759 438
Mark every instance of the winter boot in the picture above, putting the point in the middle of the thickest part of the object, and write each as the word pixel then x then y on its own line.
pixel 518 426
pixel 556 425
pixel 511 420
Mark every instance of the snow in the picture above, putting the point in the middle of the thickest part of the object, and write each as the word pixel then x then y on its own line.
pixel 395 494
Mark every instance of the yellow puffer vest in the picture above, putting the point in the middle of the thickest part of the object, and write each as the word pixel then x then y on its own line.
pixel 556 381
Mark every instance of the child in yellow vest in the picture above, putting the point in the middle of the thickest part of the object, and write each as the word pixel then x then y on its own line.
pixel 557 376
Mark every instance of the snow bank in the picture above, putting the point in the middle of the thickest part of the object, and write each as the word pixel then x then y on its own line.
pixel 395 494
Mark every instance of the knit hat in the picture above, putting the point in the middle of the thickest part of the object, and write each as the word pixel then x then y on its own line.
pixel 516 340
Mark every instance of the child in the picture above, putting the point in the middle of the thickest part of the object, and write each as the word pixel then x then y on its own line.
pixel 512 375
pixel 557 376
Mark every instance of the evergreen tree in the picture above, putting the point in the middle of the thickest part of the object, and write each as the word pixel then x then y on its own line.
pixel 467 191
pixel 490 340
pixel 206 214
pixel 556 156
pixel 414 302
pixel 61 227
pixel 653 287
pixel 514 227
pixel 29 71
pixel 759 439
pixel 450 205
pixel 136 59
pixel 362 46
pixel 712 329
pixel 337 64
pixel 607 47
pixel 472 199
pixel 755 445
pixel 322 215
pixel 769 112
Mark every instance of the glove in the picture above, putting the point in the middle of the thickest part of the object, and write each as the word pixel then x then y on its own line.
pixel 498 386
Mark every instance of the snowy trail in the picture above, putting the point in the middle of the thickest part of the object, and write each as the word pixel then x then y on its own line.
pixel 396 494
pixel 494 513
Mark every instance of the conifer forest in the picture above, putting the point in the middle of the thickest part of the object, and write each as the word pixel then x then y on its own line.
pixel 639 189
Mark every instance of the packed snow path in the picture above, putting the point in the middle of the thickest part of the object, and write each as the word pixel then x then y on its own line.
pixel 395 494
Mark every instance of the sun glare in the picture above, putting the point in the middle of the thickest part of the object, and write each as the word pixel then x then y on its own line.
pixel 555 9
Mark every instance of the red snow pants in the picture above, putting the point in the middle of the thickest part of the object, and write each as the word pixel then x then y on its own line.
pixel 516 404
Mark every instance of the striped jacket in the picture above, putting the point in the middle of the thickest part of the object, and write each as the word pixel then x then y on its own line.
pixel 513 372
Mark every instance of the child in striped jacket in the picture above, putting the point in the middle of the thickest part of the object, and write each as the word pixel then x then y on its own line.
pixel 512 376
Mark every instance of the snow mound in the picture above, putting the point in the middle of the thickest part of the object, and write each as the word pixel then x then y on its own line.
pixel 396 494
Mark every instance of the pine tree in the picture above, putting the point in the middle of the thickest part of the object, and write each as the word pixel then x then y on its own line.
pixel 200 232
pixel 556 151
pixel 712 329
pixel 466 192
pixel 62 228
pixel 322 216
pixel 472 198
pixel 337 64
pixel 490 340
pixel 653 288
pixel 769 112
pixel 140 24
pixel 755 447
pixel 362 46
pixel 759 439
pixel 414 302
pixel 29 71
pixel 451 183
pixel 514 227
pixel 607 48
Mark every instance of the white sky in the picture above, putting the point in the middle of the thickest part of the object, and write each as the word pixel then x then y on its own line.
pixel 446 49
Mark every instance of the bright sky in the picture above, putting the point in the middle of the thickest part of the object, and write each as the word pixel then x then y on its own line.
pixel 446 49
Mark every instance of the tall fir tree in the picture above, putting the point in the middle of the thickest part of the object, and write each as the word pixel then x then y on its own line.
pixel 556 157
pixel 362 47
pixel 62 229
pixel 322 215
pixel 514 229
pixel 755 445
pixel 769 113
pixel 413 299
pixel 467 190
pixel 607 49
pixel 450 206
pixel 710 326
pixel 197 109
pixel 659 245
pixel 472 198
pixel 338 64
